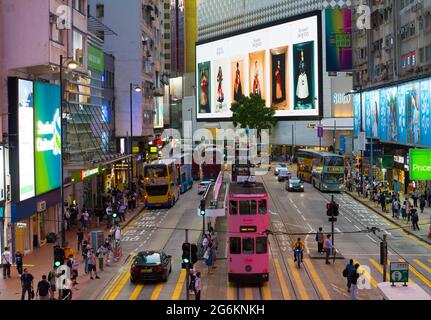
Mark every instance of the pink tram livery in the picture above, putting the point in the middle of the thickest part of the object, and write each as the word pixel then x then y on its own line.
pixel 248 222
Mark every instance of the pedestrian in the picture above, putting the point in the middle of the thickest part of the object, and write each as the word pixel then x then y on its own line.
pixel 205 243
pixel 395 208
pixel 19 262
pixel 92 261
pixel 85 219
pixel 66 291
pixel 67 217
pixel 354 276
pixel 329 246
pixel 80 235
pixel 415 198
pixel 198 286
pixel 404 210
pixel 192 273
pixel 109 216
pixel 422 203
pixel 383 201
pixel 429 196
pixel 208 258
pixel 6 260
pixel 43 289
pixel 27 284
pixel 85 251
pixel 319 240
pixel 52 279
pixel 101 252
pixel 122 212
pixel 346 273
pixel 214 242
pixel 415 219
pixel 409 211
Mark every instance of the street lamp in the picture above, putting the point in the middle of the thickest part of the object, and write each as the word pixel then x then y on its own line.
pixel 137 88
pixel 355 91
pixel 71 64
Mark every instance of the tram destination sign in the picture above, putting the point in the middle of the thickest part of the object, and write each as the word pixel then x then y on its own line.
pixel 399 272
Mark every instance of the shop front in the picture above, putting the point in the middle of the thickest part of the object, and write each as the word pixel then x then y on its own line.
pixel 34 219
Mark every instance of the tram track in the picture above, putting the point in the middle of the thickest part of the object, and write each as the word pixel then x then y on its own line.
pixel 278 208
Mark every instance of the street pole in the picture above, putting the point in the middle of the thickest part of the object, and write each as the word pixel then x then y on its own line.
pixel 320 136
pixel 335 135
pixel 188 267
pixel 332 219
pixel 130 140
pixel 362 152
pixel 385 257
pixel 63 227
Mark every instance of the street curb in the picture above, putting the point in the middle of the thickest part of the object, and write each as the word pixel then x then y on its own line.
pixel 390 220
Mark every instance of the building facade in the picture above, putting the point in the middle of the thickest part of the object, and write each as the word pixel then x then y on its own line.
pixel 392 61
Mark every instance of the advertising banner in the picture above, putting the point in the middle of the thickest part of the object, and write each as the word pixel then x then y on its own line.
pixel 383 115
pixel 402 134
pixel 279 63
pixel 356 114
pixel 338 24
pixel 47 122
pixel 368 118
pixel 96 59
pixel 425 115
pixel 26 139
pixel 420 164
pixel 2 174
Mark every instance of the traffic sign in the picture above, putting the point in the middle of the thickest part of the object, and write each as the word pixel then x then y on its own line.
pixel 399 272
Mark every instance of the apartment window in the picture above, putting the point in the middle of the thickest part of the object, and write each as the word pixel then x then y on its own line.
pixel 100 11
pixel 78 47
pixel 79 5
pixel 56 34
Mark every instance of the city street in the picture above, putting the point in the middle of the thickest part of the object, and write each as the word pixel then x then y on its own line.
pixel 290 213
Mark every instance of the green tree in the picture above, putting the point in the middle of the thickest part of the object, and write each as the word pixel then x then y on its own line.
pixel 251 113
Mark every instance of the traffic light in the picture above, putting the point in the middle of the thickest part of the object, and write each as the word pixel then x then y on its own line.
pixel 202 207
pixel 58 256
pixel 194 253
pixel 186 263
pixel 332 208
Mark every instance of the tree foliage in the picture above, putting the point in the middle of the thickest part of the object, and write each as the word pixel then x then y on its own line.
pixel 251 113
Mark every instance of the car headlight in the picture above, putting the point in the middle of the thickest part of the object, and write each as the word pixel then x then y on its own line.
pixel 302 187
pixel 290 186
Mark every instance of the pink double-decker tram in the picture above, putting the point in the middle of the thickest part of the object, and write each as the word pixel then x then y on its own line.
pixel 248 222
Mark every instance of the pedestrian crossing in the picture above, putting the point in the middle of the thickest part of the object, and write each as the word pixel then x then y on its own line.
pixel 313 281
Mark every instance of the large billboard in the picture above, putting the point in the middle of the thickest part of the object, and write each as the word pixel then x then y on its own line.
pixel 338 26
pixel 26 139
pixel 280 63
pixel 397 114
pixel 47 134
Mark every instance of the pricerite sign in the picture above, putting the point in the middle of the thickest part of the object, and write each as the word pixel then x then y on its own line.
pixel 420 164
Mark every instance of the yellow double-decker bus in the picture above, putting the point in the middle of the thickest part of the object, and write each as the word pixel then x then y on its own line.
pixel 305 165
pixel 161 183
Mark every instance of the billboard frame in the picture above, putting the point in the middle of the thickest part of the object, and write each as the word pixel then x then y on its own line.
pixel 315 13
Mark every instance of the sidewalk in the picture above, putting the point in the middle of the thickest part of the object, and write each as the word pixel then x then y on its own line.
pixel 424 218
pixel 40 262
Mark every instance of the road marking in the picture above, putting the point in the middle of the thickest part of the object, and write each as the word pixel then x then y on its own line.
pixel 337 230
pixel 266 292
pixel 367 275
pixel 418 274
pixel 180 284
pixel 281 280
pixel 303 218
pixel 429 260
pixel 293 268
pixel 157 290
pixel 248 293
pixel 371 238
pixel 356 227
pixel 422 265
pixel 231 292
pixel 136 292
pixel 119 287
pixel 115 281
pixel 380 268
pixel 324 293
